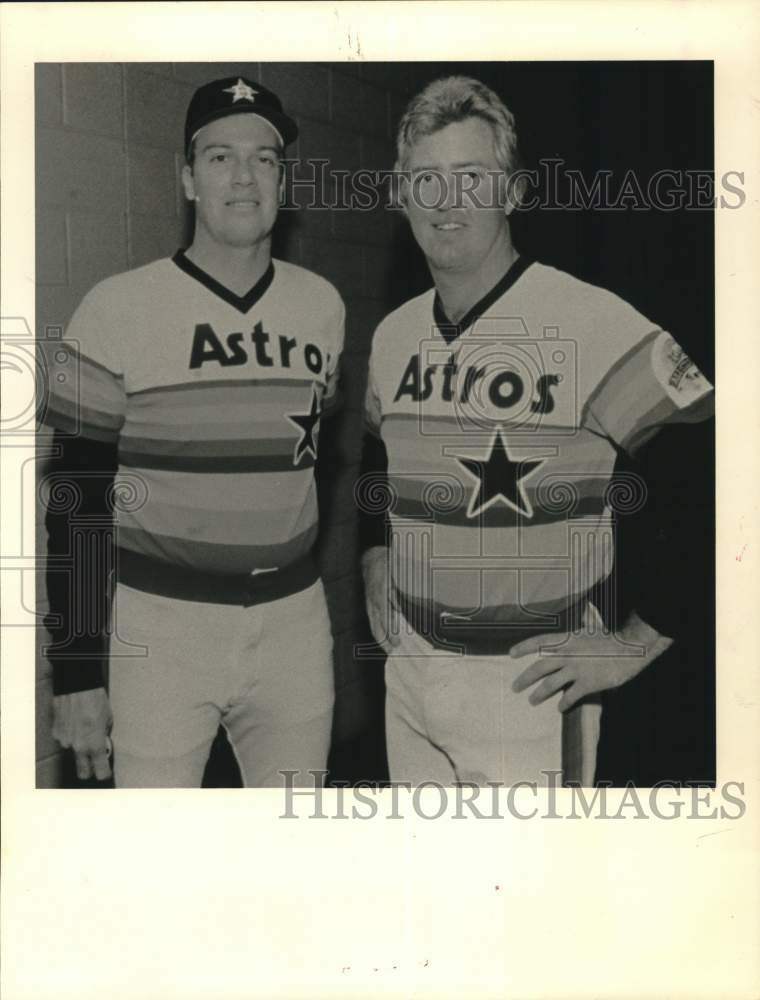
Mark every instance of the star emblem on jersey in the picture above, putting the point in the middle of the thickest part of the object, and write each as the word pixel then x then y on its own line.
pixel 241 91
pixel 499 478
pixel 306 423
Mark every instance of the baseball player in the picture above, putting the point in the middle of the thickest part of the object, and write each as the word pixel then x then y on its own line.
pixel 496 403
pixel 201 380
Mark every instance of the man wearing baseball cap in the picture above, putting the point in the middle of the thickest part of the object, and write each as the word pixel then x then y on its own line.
pixel 201 380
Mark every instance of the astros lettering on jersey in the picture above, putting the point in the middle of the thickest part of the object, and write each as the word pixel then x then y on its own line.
pixel 215 401
pixel 501 434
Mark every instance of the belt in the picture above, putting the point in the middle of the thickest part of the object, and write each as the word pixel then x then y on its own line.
pixel 153 576
pixel 475 636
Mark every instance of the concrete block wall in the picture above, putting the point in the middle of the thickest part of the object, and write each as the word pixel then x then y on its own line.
pixel 109 197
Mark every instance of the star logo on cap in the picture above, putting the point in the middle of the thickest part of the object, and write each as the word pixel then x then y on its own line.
pixel 241 91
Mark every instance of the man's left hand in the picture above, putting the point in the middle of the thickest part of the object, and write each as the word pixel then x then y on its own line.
pixel 587 663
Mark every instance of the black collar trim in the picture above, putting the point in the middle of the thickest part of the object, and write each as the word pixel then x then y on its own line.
pixel 241 302
pixel 450 331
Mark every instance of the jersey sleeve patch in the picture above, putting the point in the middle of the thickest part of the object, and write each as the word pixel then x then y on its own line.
pixel 683 382
pixel 653 384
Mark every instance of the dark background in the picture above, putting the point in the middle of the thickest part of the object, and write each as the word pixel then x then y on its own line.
pixel 641 116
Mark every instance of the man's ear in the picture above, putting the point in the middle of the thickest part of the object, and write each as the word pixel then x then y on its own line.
pixel 515 186
pixel 188 182
pixel 506 195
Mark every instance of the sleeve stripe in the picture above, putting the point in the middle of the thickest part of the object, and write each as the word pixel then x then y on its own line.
pixel 72 425
pixel 629 406
pixel 636 432
pixel 59 407
pixel 83 396
pixel 667 413
pixel 637 395
pixel 615 379
pixel 78 357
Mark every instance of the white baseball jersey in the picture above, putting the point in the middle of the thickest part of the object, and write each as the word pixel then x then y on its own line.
pixel 501 434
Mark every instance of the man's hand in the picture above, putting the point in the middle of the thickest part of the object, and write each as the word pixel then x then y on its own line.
pixel 382 610
pixel 586 663
pixel 82 721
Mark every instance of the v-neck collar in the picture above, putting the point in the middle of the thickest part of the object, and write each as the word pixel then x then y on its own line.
pixel 449 330
pixel 241 302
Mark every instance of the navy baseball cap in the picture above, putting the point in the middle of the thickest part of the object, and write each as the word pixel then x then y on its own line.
pixel 236 96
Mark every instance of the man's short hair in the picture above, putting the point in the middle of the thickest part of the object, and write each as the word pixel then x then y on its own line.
pixel 454 99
